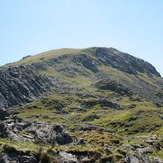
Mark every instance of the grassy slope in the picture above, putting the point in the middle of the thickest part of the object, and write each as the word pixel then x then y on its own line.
pixel 45 56
pixel 72 111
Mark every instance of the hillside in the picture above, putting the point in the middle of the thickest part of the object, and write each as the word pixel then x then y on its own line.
pixel 88 105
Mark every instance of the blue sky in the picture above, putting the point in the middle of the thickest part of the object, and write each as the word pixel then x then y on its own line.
pixel 29 27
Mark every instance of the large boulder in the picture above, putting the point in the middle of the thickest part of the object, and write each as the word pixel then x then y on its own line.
pixel 65 157
pixel 35 131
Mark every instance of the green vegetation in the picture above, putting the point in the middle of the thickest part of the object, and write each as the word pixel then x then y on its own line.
pixel 45 56
pixel 107 107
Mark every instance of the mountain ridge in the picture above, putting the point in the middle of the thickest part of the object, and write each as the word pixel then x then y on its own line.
pixel 92 64
pixel 57 52
pixel 81 105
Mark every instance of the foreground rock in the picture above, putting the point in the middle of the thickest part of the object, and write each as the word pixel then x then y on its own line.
pixel 67 158
pixel 16 158
pixel 141 158
pixel 18 129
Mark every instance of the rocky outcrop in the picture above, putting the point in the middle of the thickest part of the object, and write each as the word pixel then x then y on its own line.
pixel 134 85
pixel 20 84
pixel 141 158
pixel 123 61
pixel 14 157
pixel 3 114
pixel 113 86
pixel 140 153
pixel 65 157
pixel 18 129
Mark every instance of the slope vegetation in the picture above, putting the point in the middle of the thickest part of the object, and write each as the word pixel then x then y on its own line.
pixel 81 105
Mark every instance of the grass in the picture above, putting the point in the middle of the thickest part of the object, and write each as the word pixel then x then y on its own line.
pixel 72 109
pixel 45 56
pixel 81 106
pixel 147 79
pixel 69 110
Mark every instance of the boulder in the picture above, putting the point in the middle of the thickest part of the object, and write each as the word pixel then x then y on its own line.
pixel 35 131
pixel 65 157
pixel 17 158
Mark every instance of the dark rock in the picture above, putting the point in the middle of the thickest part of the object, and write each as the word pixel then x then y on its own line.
pixel 64 137
pixel 132 119
pixel 91 118
pixel 130 158
pixel 123 61
pixel 20 84
pixel 149 141
pixel 115 123
pixel 107 160
pixel 26 57
pixel 102 103
pixel 81 142
pixel 132 106
pixel 3 114
pixel 86 61
pixel 41 132
pixel 113 86
pixel 141 158
pixel 17 158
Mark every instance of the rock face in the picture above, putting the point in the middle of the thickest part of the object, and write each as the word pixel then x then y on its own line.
pixel 20 85
pixel 3 114
pixel 141 158
pixel 23 83
pixel 123 61
pixel 113 86
pixel 14 157
pixel 35 132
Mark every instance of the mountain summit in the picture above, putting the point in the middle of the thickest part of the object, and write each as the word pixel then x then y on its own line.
pixel 23 81
pixel 81 105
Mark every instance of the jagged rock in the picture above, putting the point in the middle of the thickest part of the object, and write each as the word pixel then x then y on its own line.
pixel 20 84
pixel 35 131
pixel 81 142
pixel 65 157
pixel 113 86
pixel 141 158
pixel 123 61
pixel 145 150
pixel 62 136
pixel 130 158
pixel 17 158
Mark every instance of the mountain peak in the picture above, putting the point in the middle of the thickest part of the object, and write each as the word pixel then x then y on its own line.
pixel 87 100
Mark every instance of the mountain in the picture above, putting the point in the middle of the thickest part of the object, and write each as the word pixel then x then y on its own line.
pixel 95 104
